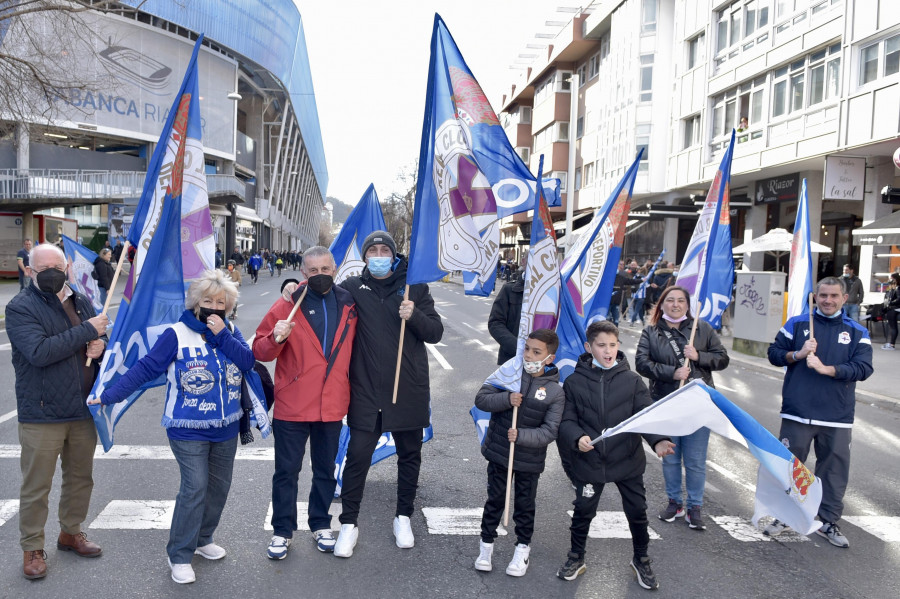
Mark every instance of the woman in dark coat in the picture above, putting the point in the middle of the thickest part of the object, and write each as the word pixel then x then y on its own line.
pixel 666 357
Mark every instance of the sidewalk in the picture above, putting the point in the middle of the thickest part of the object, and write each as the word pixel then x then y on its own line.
pixel 882 386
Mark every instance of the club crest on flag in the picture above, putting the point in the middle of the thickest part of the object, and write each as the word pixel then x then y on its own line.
pixel 802 480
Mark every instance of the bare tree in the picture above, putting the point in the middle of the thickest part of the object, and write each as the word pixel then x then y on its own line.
pixel 398 208
pixel 44 48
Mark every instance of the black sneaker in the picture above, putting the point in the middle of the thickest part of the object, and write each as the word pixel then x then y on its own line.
pixel 694 519
pixel 672 510
pixel 573 567
pixel 644 574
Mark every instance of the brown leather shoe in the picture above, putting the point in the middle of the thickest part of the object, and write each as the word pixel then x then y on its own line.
pixel 35 564
pixel 79 544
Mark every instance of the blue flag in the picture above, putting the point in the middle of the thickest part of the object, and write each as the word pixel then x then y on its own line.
pixel 172 232
pixel 589 272
pixel 469 175
pixel 707 271
pixel 365 218
pixel 81 268
pixel 642 290
pixel 800 279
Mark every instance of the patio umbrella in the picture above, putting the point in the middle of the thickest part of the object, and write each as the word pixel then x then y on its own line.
pixel 776 242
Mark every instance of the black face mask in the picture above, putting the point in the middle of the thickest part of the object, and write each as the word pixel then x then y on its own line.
pixel 51 280
pixel 205 313
pixel 321 284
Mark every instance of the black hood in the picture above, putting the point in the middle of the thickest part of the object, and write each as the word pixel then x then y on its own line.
pixel 586 366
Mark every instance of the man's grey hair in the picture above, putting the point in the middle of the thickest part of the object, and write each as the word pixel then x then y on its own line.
pixel 42 247
pixel 316 251
pixel 209 284
pixel 830 281
pixel 105 251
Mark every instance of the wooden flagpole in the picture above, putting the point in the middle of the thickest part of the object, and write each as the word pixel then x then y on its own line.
pixel 400 347
pixel 509 470
pixel 296 307
pixel 112 286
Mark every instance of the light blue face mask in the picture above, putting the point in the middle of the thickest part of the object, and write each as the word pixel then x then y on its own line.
pixel 599 365
pixel 379 266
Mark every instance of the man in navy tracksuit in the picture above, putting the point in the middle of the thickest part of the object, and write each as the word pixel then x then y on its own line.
pixel 819 395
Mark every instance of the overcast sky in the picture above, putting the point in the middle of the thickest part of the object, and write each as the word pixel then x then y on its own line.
pixel 369 63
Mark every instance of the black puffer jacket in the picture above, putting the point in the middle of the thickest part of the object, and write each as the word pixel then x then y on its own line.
pixel 103 273
pixel 374 358
pixel 656 360
pixel 538 421
pixel 45 355
pixel 598 399
pixel 503 322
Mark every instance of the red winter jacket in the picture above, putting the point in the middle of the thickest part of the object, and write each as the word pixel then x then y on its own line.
pixel 305 389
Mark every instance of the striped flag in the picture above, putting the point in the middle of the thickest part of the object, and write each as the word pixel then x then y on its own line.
pixel 800 279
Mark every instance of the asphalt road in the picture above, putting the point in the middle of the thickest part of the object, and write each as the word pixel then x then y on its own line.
pixel 136 484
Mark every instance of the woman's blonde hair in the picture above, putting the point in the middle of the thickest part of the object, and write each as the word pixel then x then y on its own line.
pixel 210 283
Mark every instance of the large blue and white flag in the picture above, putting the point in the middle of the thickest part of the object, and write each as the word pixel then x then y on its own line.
pixel 707 271
pixel 800 279
pixel 365 218
pixel 469 175
pixel 785 488
pixel 589 272
pixel 540 302
pixel 81 268
pixel 172 233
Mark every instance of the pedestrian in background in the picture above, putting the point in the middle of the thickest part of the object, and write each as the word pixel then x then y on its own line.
pixel 891 308
pixel 53 330
pixel 853 288
pixel 22 262
pixel 234 273
pixel 666 357
pixel 103 273
pixel 204 357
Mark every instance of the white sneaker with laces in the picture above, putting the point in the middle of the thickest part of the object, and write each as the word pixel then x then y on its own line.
pixel 211 551
pixel 483 561
pixel 324 540
pixel 775 528
pixel 519 563
pixel 403 532
pixel 346 540
pixel 278 547
pixel 182 573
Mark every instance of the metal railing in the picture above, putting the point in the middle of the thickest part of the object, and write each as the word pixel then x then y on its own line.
pixel 69 184
pixel 226 185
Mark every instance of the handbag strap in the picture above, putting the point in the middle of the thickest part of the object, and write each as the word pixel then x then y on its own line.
pixel 679 353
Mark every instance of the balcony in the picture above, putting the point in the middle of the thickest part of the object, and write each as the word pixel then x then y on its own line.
pixel 51 185
pixel 219 186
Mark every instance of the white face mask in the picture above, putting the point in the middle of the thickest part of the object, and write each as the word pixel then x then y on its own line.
pixel 534 367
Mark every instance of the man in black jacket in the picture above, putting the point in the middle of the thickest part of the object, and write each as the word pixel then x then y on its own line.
pixel 503 323
pixel 104 273
pixel 53 330
pixel 601 393
pixel 378 293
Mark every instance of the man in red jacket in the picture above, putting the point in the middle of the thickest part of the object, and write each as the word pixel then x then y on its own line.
pixel 312 393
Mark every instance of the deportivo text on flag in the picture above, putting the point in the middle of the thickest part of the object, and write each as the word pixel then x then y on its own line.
pixel 469 175
pixel 589 271
pixel 800 278
pixel 785 488
pixel 366 217
pixel 707 270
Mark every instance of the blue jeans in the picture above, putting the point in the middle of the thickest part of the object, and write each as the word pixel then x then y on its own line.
pixel 290 443
pixel 103 294
pixel 690 450
pixel 613 315
pixel 637 311
pixel 852 311
pixel 206 469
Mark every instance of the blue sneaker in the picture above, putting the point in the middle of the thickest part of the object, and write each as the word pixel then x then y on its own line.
pixel 324 540
pixel 278 548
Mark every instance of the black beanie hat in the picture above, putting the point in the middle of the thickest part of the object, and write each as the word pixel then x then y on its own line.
pixel 379 237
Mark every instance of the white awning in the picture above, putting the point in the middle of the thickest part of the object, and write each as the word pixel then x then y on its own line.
pixel 245 213
pixel 219 210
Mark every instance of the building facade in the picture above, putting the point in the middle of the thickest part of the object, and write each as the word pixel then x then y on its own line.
pixel 86 158
pixel 812 88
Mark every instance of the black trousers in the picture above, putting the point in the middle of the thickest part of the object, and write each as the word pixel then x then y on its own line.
pixel 891 317
pixel 524 493
pixel 634 504
pixel 359 457
pixel 290 445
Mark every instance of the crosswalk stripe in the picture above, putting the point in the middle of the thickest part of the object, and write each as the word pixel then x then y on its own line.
pixel 886 528
pixel 303 516
pixel 136 514
pixel 612 525
pixel 454 521
pixel 437 356
pixel 743 530
pixel 8 509
pixel 150 452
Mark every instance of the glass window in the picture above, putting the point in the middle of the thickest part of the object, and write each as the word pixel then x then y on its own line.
pixel 579 128
pixel 696 49
pixel 797 85
pixel 648 16
pixel 646 77
pixel 582 72
pixel 735 27
pixel 868 64
pixel 892 55
pixel 691 131
pixel 526 115
pixel 722 32
pixel 816 84
pixel 756 106
pixel 594 66
pixel 832 78
pixel 730 114
pixel 577 178
pixel 779 98
pixel 563 132
pixel 565 81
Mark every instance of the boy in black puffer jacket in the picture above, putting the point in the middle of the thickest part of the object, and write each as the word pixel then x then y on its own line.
pixel 602 379
pixel 540 404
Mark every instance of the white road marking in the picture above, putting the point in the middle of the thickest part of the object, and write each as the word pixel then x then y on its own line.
pixel 719 386
pixel 136 514
pixel 303 516
pixel 5 346
pixel 13 414
pixel 455 521
pixel 886 528
pixel 267 293
pixel 743 530
pixel 437 356
pixel 8 509
pixel 708 487
pixel 477 330
pixel 731 476
pixel 150 452
pixel 612 525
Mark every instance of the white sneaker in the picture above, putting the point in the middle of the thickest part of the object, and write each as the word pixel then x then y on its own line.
pixel 519 563
pixel 775 528
pixel 324 540
pixel 403 532
pixel 346 540
pixel 278 547
pixel 211 551
pixel 483 562
pixel 182 573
